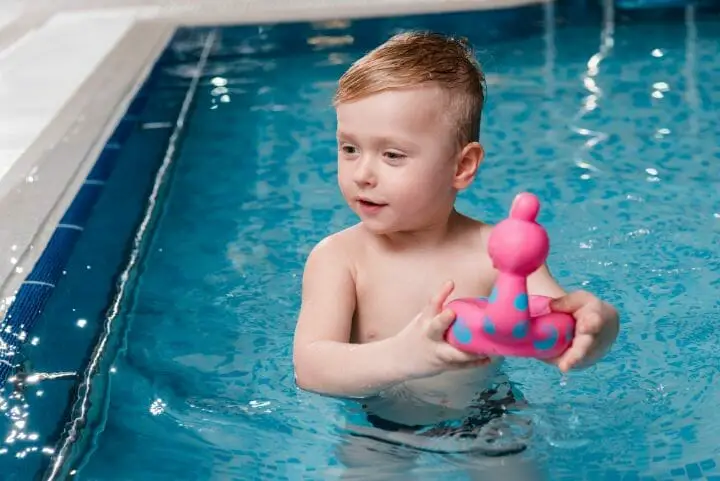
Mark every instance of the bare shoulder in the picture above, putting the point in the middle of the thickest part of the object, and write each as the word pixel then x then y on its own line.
pixel 475 232
pixel 337 248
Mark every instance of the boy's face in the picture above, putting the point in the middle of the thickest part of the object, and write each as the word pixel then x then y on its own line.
pixel 397 158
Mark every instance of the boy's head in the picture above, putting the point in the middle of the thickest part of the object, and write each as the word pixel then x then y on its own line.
pixel 408 124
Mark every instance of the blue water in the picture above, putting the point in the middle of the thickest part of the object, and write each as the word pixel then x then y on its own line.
pixel 616 130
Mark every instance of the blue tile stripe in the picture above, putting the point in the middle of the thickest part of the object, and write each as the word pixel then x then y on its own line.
pixel 30 300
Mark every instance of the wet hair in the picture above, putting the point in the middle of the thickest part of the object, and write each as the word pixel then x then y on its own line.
pixel 416 59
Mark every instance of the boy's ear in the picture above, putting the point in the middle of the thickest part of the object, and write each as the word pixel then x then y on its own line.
pixel 469 161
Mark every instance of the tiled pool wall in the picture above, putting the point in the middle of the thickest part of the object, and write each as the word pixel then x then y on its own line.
pixel 50 267
pixel 28 313
pixel 40 284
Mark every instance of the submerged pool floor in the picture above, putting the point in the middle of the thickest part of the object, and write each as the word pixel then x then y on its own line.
pixel 617 132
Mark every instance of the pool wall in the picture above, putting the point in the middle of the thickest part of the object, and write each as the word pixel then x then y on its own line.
pixel 38 286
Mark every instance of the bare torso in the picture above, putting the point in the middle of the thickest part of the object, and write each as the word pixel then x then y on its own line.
pixel 393 286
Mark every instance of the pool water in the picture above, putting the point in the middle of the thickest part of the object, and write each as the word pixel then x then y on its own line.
pixel 614 127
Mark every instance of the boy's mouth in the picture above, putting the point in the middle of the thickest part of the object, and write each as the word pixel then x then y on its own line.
pixel 369 205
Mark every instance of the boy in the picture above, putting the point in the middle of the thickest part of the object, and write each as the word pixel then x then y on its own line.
pixel 372 319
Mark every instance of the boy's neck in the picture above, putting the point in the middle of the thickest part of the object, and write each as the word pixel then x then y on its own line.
pixel 429 236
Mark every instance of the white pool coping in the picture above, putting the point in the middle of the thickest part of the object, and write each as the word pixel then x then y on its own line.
pixel 68 66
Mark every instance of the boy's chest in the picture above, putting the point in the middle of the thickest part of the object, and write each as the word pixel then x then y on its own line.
pixel 391 293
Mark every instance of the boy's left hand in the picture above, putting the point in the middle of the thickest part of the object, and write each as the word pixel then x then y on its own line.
pixel 596 327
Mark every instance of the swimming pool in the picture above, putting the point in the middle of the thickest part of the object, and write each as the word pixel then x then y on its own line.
pixel 612 124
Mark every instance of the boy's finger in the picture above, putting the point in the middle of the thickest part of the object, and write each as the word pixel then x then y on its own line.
pixel 578 351
pixel 441 323
pixel 571 302
pixel 438 301
pixel 590 323
pixel 453 356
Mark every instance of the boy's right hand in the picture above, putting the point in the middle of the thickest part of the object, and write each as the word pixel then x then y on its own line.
pixel 422 349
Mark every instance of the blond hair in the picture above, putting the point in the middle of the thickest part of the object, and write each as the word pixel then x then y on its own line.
pixel 414 59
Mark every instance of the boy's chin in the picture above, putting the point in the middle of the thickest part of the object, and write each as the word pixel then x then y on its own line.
pixel 379 226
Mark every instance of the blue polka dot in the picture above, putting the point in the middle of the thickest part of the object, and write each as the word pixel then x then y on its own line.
pixel 482 299
pixel 544 345
pixel 569 335
pixel 461 331
pixel 493 295
pixel 520 329
pixel 488 325
pixel 521 302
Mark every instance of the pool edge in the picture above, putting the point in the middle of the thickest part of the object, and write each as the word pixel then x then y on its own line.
pixel 65 154
pixel 193 16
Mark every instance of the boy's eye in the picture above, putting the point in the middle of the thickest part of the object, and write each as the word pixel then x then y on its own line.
pixel 348 149
pixel 394 155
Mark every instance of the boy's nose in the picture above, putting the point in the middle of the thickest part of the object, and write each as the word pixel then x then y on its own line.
pixel 364 173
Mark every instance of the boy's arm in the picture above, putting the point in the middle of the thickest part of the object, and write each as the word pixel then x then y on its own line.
pixel 324 359
pixel 542 283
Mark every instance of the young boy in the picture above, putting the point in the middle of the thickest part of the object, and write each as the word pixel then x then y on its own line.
pixel 372 320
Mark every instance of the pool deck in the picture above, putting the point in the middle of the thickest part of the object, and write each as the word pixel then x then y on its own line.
pixel 67 69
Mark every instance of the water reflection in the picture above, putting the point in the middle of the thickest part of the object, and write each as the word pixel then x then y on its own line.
pixel 590 102
pixel 22 439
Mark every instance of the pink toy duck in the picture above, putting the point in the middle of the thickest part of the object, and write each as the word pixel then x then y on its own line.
pixel 509 322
